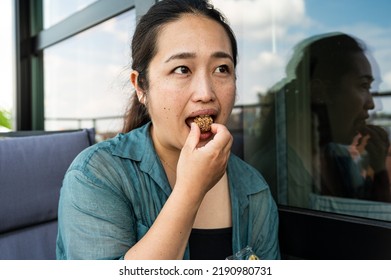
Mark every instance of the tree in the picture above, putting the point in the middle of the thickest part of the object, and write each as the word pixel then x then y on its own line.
pixel 5 119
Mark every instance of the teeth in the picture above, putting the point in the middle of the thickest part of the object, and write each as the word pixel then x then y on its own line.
pixel 204 122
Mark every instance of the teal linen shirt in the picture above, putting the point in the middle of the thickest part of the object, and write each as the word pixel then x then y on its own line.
pixel 114 190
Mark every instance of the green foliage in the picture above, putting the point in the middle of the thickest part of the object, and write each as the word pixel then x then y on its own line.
pixel 5 119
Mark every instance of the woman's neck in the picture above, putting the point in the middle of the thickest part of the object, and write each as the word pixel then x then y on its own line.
pixel 168 157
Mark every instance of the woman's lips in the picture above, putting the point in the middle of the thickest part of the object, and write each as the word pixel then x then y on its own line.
pixel 197 114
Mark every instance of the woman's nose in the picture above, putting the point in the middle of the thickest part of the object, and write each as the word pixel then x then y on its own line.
pixel 370 103
pixel 203 89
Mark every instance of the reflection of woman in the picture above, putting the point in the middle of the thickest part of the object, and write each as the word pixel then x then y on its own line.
pixel 328 83
pixel 340 78
pixel 164 189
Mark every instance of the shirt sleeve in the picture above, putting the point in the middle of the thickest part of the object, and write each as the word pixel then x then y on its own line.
pixel 95 221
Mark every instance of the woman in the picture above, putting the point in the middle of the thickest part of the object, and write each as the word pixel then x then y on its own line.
pixel 341 77
pixel 327 100
pixel 163 189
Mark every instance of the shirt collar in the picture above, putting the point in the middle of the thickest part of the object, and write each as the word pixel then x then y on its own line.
pixel 139 137
pixel 137 145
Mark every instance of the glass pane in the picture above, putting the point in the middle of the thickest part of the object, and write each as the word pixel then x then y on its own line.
pixel 7 70
pixel 85 77
pixel 55 11
pixel 310 117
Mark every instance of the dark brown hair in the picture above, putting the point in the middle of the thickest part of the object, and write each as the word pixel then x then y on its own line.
pixel 144 46
pixel 327 56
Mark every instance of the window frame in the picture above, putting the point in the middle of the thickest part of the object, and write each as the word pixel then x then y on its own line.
pixel 31 40
pixel 316 235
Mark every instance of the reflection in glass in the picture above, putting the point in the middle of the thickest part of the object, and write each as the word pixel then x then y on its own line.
pixel 85 77
pixel 55 11
pixel 267 32
pixel 327 100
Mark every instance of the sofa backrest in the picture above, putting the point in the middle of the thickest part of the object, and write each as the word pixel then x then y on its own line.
pixel 31 172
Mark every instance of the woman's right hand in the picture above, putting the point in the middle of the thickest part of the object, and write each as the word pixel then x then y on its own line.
pixel 201 167
pixel 377 145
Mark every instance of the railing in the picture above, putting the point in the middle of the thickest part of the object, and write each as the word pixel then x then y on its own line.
pixel 93 120
pixel 240 115
pixel 102 132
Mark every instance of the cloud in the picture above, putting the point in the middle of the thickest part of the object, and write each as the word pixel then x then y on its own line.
pixel 268 30
pixel 262 12
pixel 267 60
pixel 118 27
pixel 387 80
pixel 263 30
pixel 259 18
pixel 79 88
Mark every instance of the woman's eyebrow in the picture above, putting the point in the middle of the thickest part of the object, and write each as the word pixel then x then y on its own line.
pixel 222 55
pixel 370 77
pixel 367 77
pixel 183 55
pixel 186 55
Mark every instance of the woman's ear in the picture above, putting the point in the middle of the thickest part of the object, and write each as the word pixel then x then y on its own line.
pixel 319 93
pixel 134 79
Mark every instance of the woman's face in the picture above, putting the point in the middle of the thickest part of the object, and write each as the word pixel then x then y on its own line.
pixel 351 100
pixel 191 74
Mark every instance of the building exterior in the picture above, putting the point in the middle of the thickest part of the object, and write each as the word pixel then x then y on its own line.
pixel 72 65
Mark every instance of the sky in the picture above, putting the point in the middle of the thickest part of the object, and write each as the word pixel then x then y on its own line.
pixel 266 32
pixel 59 11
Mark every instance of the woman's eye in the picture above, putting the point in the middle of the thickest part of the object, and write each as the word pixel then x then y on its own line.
pixel 366 86
pixel 222 69
pixel 181 70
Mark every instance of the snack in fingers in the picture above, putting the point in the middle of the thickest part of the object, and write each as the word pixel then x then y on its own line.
pixel 204 122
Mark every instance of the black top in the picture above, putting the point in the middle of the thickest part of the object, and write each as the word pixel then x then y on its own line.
pixel 210 244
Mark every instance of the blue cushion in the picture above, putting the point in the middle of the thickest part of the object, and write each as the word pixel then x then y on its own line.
pixel 31 173
pixel 32 243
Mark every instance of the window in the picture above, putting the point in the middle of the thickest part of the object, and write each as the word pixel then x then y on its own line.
pixel 284 112
pixel 85 77
pixel 73 57
pixel 55 11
